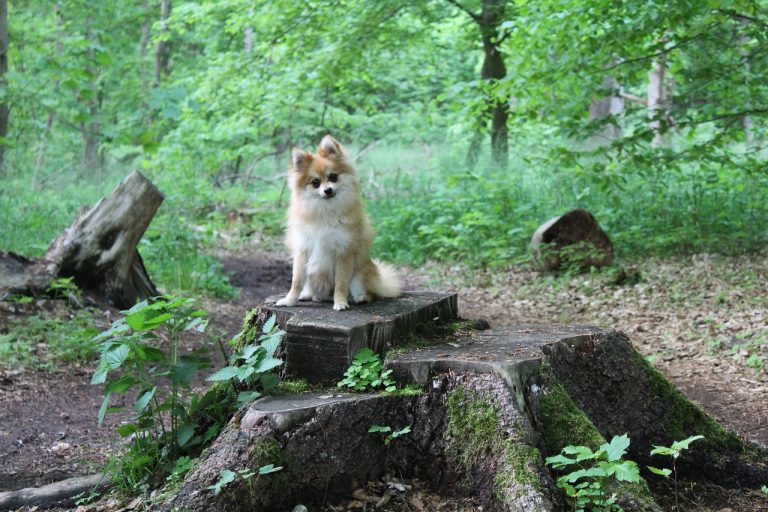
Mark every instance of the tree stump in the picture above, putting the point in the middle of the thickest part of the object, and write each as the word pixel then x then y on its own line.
pixel 573 239
pixel 495 404
pixel 99 249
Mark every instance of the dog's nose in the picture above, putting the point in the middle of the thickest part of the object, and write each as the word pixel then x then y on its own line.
pixel 328 191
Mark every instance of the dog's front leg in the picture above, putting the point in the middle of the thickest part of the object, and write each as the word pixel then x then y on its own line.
pixel 297 281
pixel 343 273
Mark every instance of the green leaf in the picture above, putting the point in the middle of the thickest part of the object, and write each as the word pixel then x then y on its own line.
pixel 225 477
pixel 144 399
pixel 268 364
pixel 116 356
pixel 184 433
pixel 683 445
pixel 226 373
pixel 379 428
pixel 269 468
pixel 269 324
pixel 663 472
pixel 103 408
pixel 627 471
pixel 616 449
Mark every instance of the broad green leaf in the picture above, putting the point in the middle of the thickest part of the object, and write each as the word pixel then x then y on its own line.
pixel 616 449
pixel 144 399
pixel 225 373
pixel 116 356
pixel 225 477
pixel 269 468
pixel 379 428
pixel 103 408
pixel 269 324
pixel 184 433
pixel 683 445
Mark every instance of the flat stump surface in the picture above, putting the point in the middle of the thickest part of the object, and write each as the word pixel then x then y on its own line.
pixel 320 342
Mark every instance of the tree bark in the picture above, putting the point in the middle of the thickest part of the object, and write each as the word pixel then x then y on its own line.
pixel 4 108
pixel 162 50
pixel 99 249
pixel 490 18
pixel 658 107
pixel 605 107
pixel 90 129
pixel 249 34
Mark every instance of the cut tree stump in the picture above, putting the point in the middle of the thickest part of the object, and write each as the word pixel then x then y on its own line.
pixel 572 239
pixel 495 404
pixel 99 248
pixel 320 342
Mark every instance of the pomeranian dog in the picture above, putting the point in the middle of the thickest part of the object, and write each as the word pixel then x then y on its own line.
pixel 329 234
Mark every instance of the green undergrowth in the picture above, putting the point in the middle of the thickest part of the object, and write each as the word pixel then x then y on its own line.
pixel 42 341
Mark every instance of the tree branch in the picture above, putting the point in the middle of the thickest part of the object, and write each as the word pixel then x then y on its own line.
pixel 632 97
pixel 469 13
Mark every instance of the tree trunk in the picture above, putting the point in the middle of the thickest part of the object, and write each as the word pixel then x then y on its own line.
pixel 495 403
pixel 144 44
pixel 162 51
pixel 4 109
pixel 658 107
pixel 99 249
pixel 51 113
pixel 249 34
pixel 90 129
pixel 608 107
pixel 494 70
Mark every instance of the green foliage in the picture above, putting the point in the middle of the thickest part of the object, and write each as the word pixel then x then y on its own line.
pixel 64 288
pixel 367 373
pixel 674 451
pixel 391 435
pixel 252 365
pixel 226 476
pixel 133 359
pixel 40 341
pixel 593 474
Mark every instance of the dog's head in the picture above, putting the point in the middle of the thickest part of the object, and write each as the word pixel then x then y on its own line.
pixel 325 175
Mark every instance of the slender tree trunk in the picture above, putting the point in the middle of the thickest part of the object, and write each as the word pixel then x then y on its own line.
pixel 249 34
pixel 90 129
pixel 605 107
pixel 162 51
pixel 4 109
pixel 658 103
pixel 144 44
pixel 746 121
pixel 51 112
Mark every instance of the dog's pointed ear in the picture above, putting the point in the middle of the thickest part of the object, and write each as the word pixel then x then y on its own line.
pixel 330 148
pixel 300 159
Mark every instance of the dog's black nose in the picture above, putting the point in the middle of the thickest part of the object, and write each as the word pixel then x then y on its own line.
pixel 328 191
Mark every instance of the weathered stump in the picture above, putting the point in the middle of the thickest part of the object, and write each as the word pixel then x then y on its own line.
pixel 573 239
pixel 99 249
pixel 496 403
pixel 22 276
pixel 320 342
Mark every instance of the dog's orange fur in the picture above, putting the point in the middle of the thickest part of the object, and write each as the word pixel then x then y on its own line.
pixel 329 234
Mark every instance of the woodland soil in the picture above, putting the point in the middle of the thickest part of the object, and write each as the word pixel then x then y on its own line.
pixel 699 319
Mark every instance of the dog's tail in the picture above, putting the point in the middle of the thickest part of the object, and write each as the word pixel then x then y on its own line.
pixel 388 284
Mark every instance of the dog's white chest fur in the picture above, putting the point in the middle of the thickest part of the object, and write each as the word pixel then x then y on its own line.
pixel 322 243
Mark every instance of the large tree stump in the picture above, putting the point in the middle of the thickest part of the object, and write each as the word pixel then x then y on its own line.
pixel 99 249
pixel 573 239
pixel 496 403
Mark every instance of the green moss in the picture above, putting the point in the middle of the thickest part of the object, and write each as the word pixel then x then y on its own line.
pixel 684 418
pixel 293 386
pixel 473 421
pixel 520 462
pixel 433 333
pixel 563 423
pixel 251 329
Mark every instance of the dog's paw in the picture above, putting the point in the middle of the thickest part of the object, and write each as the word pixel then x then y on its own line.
pixel 287 301
pixel 360 299
pixel 340 306
pixel 306 296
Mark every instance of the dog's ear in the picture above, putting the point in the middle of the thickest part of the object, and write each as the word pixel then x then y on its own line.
pixel 330 148
pixel 300 159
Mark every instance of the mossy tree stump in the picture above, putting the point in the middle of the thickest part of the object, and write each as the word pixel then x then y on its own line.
pixel 495 404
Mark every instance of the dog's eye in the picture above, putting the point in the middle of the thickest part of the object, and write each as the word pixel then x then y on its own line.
pixel 333 177
pixel 316 182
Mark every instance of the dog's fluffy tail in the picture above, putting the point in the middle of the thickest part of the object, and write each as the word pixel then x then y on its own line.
pixel 389 284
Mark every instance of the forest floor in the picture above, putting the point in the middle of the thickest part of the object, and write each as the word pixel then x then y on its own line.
pixel 701 320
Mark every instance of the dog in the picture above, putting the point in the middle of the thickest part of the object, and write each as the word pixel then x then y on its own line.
pixel 330 235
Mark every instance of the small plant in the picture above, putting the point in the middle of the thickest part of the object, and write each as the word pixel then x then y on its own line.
pixel 391 436
pixel 226 476
pixel 593 474
pixel 65 288
pixel 673 451
pixel 367 372
pixel 253 364
pixel 132 355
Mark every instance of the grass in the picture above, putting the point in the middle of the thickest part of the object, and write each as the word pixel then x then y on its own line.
pixel 43 342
